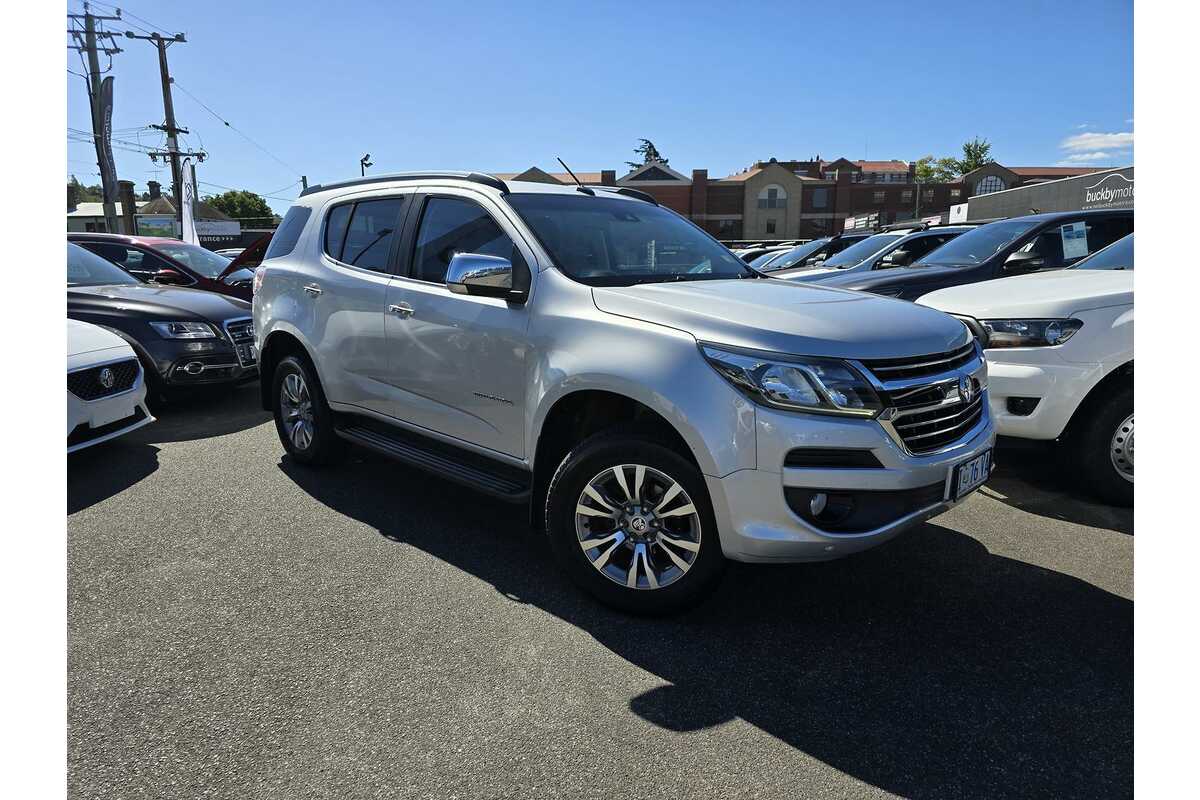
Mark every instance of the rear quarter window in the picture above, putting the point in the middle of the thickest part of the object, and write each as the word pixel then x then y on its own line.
pixel 288 233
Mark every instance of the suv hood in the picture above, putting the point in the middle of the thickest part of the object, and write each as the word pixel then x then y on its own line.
pixel 158 302
pixel 787 317
pixel 1058 293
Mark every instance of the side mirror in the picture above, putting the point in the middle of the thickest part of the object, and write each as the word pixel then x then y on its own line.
pixel 169 277
pixel 1024 262
pixel 483 276
pixel 896 258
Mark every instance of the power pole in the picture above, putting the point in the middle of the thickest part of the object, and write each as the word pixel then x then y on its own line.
pixel 88 45
pixel 169 127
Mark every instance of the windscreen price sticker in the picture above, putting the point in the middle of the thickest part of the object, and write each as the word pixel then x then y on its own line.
pixel 1074 240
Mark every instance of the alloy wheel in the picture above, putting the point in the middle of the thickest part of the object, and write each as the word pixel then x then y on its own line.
pixel 638 526
pixel 296 405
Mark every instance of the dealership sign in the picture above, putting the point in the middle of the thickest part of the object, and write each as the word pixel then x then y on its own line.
pixel 1111 191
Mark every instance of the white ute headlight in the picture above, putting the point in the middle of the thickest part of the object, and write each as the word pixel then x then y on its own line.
pixel 183 330
pixel 1028 332
pixel 797 383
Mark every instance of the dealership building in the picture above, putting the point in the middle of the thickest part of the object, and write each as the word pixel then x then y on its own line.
pixel 806 199
pixel 1097 189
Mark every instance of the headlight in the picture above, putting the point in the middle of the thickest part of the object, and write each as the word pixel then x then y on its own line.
pixel 184 330
pixel 797 383
pixel 1029 332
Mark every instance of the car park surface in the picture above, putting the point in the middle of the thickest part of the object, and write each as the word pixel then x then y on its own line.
pixel 242 626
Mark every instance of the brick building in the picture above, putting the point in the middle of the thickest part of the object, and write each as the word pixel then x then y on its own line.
pixel 804 199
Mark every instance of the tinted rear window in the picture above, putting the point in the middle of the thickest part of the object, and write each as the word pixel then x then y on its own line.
pixel 288 233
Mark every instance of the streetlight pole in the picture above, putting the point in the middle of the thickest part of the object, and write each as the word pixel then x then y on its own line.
pixel 363 163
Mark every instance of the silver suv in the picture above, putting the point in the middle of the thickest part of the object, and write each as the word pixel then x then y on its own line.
pixel 659 406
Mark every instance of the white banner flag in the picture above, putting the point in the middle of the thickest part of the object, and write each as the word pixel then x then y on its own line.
pixel 188 233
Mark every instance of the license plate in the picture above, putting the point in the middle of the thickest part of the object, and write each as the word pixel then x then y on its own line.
pixel 970 475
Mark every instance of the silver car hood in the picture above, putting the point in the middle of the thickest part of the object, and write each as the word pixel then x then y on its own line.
pixel 788 317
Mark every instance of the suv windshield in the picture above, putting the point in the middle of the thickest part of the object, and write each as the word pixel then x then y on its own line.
pixel 861 251
pixel 85 268
pixel 605 241
pixel 205 262
pixel 975 247
pixel 1118 255
pixel 796 255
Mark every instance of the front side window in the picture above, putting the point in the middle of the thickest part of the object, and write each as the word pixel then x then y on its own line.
pixel 196 258
pixel 368 239
pixel 1117 256
pixel 978 245
pixel 608 241
pixel 452 225
pixel 85 268
pixel 862 250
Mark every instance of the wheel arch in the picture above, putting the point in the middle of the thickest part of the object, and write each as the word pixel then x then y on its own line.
pixel 1115 378
pixel 278 345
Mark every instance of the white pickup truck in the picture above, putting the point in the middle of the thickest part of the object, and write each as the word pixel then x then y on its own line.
pixel 1059 347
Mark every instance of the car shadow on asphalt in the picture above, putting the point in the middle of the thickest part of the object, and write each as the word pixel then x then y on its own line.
pixel 204 413
pixel 1033 477
pixel 106 469
pixel 928 667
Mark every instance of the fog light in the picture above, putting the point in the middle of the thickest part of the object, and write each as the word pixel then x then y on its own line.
pixel 1022 406
pixel 817 504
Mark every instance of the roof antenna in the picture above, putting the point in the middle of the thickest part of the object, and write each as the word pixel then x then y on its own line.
pixel 568 169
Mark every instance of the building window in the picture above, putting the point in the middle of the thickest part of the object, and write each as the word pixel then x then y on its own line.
pixel 725 227
pixel 906 196
pixel 820 198
pixel 772 196
pixel 955 192
pixel 879 197
pixel 830 175
pixel 770 226
pixel 927 195
pixel 991 183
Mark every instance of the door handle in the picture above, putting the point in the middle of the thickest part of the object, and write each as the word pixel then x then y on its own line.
pixel 313 289
pixel 402 310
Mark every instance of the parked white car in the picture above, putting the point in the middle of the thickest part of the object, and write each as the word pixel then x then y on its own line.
pixel 1059 347
pixel 106 393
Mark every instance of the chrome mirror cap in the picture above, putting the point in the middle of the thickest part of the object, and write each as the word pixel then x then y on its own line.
pixel 472 273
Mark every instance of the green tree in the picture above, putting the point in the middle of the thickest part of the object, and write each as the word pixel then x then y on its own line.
pixel 939 170
pixel 241 204
pixel 649 154
pixel 87 194
pixel 976 153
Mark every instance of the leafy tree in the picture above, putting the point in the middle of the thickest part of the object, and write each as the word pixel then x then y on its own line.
pixel 649 154
pixel 241 204
pixel 87 194
pixel 976 153
pixel 940 170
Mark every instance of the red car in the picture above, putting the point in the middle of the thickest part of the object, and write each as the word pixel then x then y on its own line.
pixel 154 259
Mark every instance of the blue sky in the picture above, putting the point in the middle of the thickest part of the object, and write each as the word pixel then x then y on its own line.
pixel 502 85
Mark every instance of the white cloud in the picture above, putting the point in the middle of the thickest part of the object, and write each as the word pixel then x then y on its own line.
pixel 1083 125
pixel 1092 142
pixel 1086 158
pixel 1130 120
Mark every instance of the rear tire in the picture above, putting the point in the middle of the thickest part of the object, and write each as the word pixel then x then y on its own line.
pixel 302 417
pixel 653 520
pixel 1103 450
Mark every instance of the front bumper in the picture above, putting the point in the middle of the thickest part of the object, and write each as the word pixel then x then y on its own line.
pixel 1059 386
pixel 757 523
pixel 183 363
pixel 91 422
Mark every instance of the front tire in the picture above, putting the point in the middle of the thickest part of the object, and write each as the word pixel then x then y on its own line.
pixel 631 522
pixel 302 417
pixel 1104 450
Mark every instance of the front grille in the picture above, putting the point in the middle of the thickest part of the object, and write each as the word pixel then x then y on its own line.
pixel 105 380
pixel 926 410
pixel 891 369
pixel 241 334
pixel 927 430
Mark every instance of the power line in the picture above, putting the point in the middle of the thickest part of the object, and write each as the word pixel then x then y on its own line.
pixel 260 194
pixel 127 13
pixel 229 125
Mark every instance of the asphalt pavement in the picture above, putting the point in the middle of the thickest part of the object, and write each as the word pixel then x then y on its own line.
pixel 243 627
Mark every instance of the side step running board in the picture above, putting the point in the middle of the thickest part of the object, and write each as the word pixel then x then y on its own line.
pixel 509 487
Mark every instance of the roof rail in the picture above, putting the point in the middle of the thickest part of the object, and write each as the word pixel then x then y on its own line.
pixel 625 190
pixel 474 177
pixel 912 225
